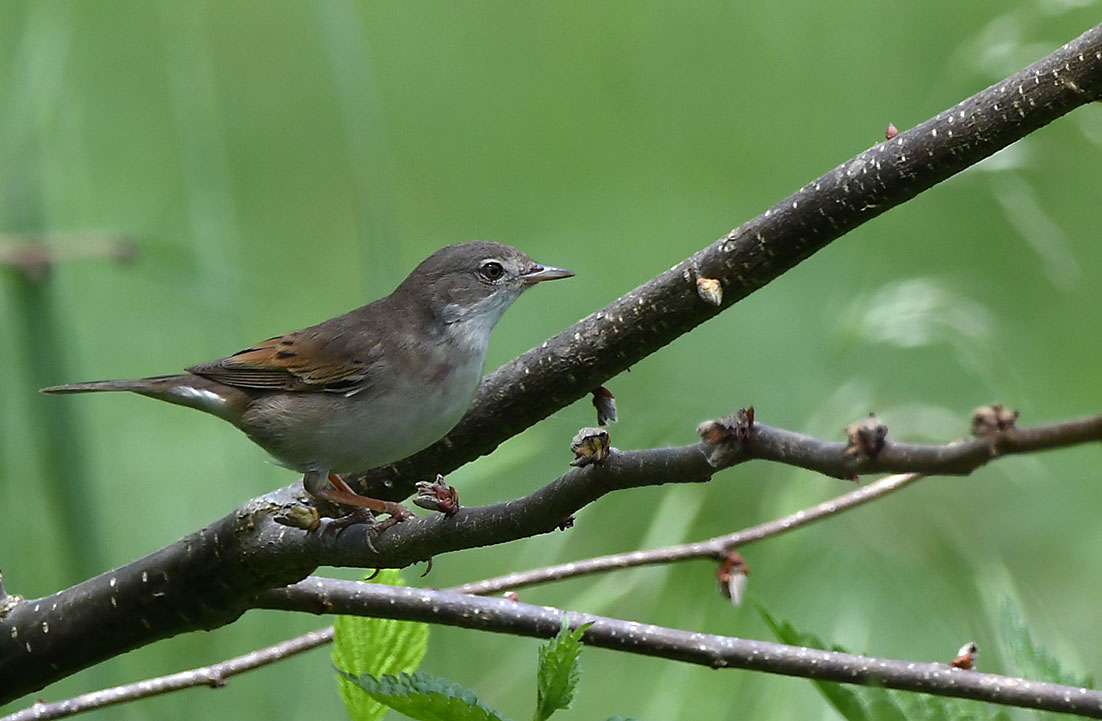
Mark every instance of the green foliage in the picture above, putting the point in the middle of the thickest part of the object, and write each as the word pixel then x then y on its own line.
pixel 846 700
pixel 375 646
pixel 865 703
pixel 1031 660
pixel 858 703
pixel 430 698
pixel 558 672
pixel 425 698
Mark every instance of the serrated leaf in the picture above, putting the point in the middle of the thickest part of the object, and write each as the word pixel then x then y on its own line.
pixel 425 698
pixel 845 701
pixel 883 705
pixel 377 646
pixel 1030 659
pixel 868 703
pixel 558 671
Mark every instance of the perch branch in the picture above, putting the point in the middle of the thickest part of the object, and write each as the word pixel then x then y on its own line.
pixel 605 343
pixel 714 547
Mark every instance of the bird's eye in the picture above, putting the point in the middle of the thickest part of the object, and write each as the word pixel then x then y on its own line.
pixel 492 270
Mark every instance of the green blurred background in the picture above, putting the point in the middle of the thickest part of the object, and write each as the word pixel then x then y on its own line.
pixel 279 163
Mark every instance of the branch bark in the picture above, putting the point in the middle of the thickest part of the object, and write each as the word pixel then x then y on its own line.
pixel 209 578
pixel 504 616
pixel 605 343
pixel 216 674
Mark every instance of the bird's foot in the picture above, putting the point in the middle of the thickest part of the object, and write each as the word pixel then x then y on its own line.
pixel 361 516
pixel 356 516
pixel 332 488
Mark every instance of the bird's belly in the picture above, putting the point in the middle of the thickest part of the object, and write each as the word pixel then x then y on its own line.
pixel 329 432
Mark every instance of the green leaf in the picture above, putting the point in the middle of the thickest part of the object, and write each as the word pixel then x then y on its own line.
pixel 376 646
pixel 846 701
pixel 1031 660
pixel 867 703
pixel 558 672
pixel 425 698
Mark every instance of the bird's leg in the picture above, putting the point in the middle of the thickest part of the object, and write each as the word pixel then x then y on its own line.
pixel 331 487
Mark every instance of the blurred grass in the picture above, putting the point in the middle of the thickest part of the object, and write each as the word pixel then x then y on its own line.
pixel 279 167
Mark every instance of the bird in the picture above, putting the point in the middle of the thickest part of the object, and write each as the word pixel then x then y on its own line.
pixel 366 388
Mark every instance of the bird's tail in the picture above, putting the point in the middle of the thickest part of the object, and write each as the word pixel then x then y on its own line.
pixel 137 385
pixel 185 389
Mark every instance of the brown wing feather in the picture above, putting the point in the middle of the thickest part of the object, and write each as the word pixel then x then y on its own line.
pixel 292 362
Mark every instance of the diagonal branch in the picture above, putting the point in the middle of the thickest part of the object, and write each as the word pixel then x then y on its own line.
pixel 714 548
pixel 758 442
pixel 213 676
pixel 216 674
pixel 607 342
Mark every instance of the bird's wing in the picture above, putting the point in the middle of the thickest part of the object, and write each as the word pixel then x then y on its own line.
pixel 296 361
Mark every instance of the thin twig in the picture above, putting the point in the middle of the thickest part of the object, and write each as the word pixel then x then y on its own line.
pixel 502 615
pixel 213 676
pixel 711 548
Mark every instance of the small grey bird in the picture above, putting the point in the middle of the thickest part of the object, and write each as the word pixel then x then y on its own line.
pixel 366 388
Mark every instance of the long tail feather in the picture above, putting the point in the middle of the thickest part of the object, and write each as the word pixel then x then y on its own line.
pixel 136 385
pixel 186 390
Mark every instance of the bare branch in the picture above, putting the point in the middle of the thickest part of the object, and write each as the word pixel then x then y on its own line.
pixel 841 460
pixel 504 616
pixel 605 343
pixel 213 676
pixel 157 596
pixel 545 509
pixel 715 548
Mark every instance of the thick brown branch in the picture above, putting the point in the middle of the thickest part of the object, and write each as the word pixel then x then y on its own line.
pixel 603 344
pixel 208 579
pixel 202 581
pixel 216 673
pixel 505 616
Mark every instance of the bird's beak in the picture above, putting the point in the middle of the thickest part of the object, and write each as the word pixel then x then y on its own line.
pixel 540 273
